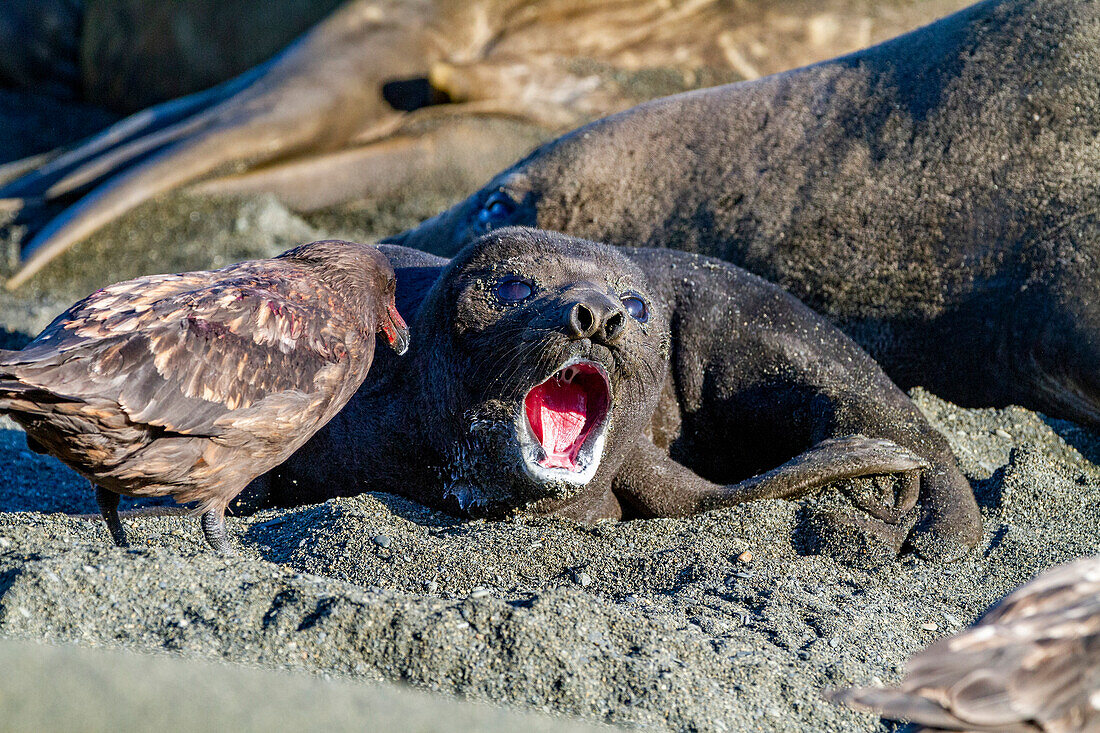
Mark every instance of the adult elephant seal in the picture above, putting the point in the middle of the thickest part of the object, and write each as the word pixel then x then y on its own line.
pixel 351 109
pixel 936 196
pixel 554 375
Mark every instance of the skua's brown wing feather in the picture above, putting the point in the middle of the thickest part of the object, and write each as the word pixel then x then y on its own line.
pixel 176 352
pixel 1031 664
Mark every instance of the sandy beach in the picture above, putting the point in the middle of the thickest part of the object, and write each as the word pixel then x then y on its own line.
pixel 735 620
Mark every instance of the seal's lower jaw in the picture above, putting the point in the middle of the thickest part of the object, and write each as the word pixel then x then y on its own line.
pixel 563 424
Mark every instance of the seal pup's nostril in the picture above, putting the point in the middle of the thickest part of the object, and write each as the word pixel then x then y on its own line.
pixel 582 321
pixel 613 326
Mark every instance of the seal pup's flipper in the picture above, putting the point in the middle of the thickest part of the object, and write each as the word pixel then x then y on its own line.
pixel 678 491
pixel 300 100
pixel 779 400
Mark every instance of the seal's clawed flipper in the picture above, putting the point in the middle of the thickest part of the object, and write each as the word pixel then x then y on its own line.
pixel 317 95
pixel 951 524
pixel 827 462
pixel 656 485
pixel 213 528
pixel 108 507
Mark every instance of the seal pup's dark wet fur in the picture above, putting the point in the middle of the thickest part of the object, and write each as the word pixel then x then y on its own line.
pixel 730 390
pixel 936 196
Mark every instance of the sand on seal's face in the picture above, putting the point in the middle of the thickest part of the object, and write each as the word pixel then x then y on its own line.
pixel 625 622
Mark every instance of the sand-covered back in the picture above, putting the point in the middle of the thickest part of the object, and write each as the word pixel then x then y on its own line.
pixel 663 623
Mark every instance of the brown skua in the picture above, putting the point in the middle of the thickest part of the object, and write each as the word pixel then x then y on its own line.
pixel 190 385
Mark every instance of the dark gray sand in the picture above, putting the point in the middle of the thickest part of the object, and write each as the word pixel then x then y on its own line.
pixel 655 623
pixel 664 623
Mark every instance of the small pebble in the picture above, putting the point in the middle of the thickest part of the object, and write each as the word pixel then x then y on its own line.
pixel 478 592
pixel 584 580
pixel 431 586
pixel 745 556
pixel 834 642
pixel 952 620
pixel 930 626
pixel 382 541
pixel 1002 433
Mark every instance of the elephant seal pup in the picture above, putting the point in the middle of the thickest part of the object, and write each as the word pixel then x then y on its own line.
pixel 936 196
pixel 554 375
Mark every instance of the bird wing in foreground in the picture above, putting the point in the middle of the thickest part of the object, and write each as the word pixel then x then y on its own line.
pixel 1032 663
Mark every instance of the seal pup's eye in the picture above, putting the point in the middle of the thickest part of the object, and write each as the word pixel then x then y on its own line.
pixel 513 289
pixel 496 210
pixel 636 307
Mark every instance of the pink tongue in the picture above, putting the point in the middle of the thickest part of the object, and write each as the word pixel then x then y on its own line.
pixel 559 414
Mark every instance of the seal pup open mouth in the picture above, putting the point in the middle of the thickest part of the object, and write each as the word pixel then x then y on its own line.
pixel 563 421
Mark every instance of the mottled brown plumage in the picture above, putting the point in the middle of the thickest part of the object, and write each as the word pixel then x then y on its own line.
pixel 1031 664
pixel 193 384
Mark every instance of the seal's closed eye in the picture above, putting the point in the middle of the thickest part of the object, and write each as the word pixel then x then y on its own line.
pixel 496 210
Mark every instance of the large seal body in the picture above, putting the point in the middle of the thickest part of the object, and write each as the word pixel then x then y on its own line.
pixel 351 109
pixel 936 196
pixel 549 374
